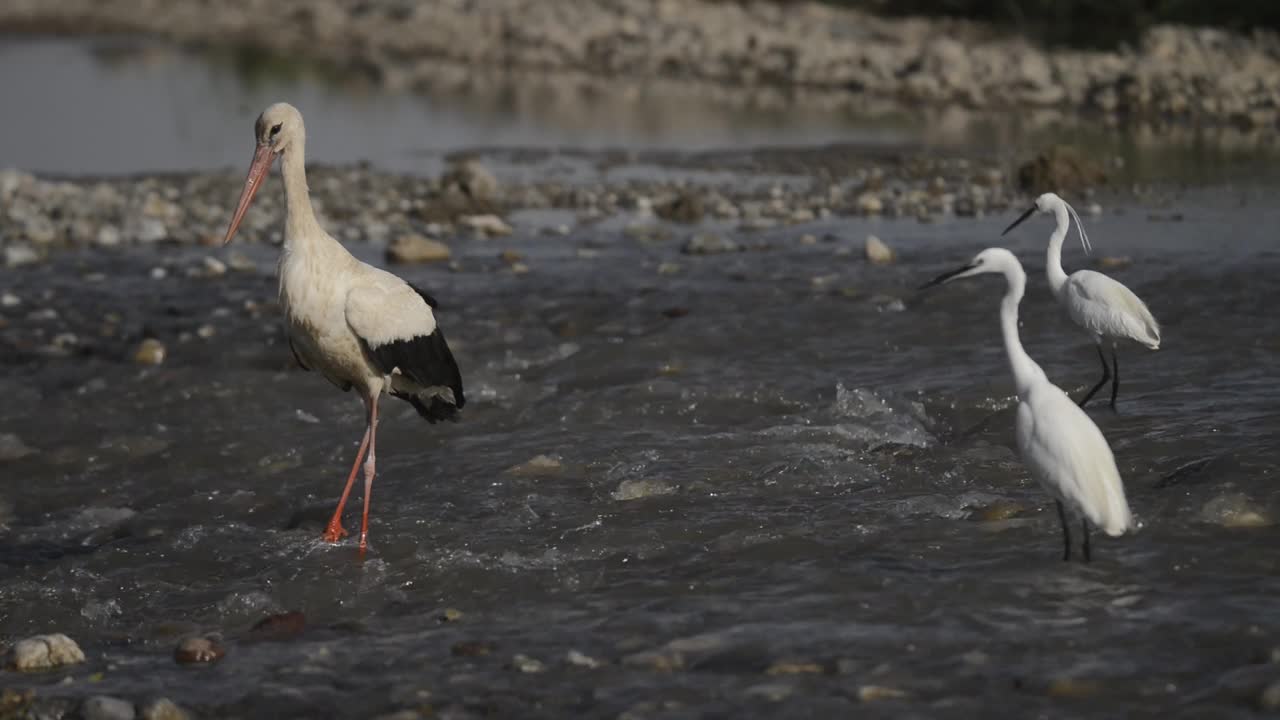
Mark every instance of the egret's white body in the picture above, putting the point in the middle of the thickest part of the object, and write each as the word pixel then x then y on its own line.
pixel 355 324
pixel 1106 309
pixel 1060 445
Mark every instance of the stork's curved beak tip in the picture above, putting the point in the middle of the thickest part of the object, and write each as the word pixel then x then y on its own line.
pixel 262 159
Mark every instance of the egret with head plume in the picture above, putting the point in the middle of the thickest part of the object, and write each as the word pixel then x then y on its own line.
pixel 1107 310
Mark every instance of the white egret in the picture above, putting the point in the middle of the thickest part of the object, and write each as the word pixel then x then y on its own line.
pixel 1060 445
pixel 1107 310
pixel 356 325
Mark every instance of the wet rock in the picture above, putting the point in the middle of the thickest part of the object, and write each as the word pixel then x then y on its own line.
pixel 13 448
pixel 163 709
pixel 578 659
pixel 526 664
pixel 637 488
pixel 1269 700
pixel 43 652
pixel 536 466
pixel 1235 510
pixel 449 615
pixel 471 648
pixel 659 660
pixel 1061 168
pixel 16 256
pixel 1074 688
pixel 107 236
pixel 773 692
pixel 198 651
pixel 151 230
pixel 414 248
pixel 473 180
pixel 686 207
pixel 708 244
pixel 103 707
pixel 485 225
pixel 16 704
pixel 281 626
pixel 213 267
pixel 870 204
pixel 789 667
pixel 877 252
pixel 669 268
pixel 149 352
pixel 872 693
pixel 997 511
pixel 9 300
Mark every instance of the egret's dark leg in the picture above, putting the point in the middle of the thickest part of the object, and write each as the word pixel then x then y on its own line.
pixel 1115 377
pixel 1106 375
pixel 1066 533
pixel 1084 525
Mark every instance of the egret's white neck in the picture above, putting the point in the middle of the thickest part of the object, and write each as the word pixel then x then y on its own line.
pixel 300 219
pixel 1025 370
pixel 1053 264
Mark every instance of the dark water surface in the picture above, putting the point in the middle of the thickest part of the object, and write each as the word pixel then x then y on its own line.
pixel 800 489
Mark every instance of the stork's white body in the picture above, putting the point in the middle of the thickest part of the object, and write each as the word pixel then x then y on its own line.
pixel 355 324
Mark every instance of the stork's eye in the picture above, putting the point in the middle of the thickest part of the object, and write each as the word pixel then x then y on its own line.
pixel 275 129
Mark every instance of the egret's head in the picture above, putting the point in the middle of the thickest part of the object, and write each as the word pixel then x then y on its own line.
pixel 1051 203
pixel 278 128
pixel 991 260
pixel 1048 201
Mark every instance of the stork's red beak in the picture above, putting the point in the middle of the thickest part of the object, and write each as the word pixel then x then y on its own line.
pixel 262 159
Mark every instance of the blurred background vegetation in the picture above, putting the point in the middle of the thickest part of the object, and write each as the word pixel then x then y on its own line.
pixel 1088 23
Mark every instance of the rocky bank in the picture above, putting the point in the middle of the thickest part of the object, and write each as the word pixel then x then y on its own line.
pixel 758 52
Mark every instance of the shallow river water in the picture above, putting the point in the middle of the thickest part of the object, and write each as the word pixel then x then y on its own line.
pixel 770 494
pixel 776 483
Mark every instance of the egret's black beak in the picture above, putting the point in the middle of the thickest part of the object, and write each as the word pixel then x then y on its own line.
pixel 1030 211
pixel 944 277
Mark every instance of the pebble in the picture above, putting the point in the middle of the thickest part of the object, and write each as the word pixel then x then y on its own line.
pixel 16 256
pixel 870 204
pixel 102 707
pixel 485 225
pixel 537 465
pixel 413 248
pixel 159 273
pixel 43 652
pixel 526 664
pixel 1075 688
pixel 281 626
pixel 519 268
pixel 163 709
pixel 13 448
pixel 773 692
pixel 808 239
pixel 10 300
pixel 241 263
pixel 450 615
pixel 669 268
pixel 108 236
pixel 198 651
pixel 794 668
pixel 871 693
pixel 151 230
pixel 637 488
pixel 1269 700
pixel 206 331
pixel 213 267
pixel 877 252
pixel 149 352
pixel 579 659
pixel 471 648
pixel 708 244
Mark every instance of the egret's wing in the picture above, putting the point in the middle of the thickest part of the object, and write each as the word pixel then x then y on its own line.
pixel 1067 454
pixel 1105 306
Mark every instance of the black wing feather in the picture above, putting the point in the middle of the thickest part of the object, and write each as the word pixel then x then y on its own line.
pixel 424 359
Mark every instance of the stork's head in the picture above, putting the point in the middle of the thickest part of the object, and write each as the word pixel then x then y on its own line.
pixel 991 260
pixel 277 129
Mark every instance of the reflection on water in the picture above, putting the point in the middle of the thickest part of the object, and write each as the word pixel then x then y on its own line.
pixel 121 105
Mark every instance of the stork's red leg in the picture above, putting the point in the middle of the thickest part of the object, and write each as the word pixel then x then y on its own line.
pixel 335 531
pixel 369 465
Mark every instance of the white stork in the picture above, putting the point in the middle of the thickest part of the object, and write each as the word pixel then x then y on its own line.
pixel 356 325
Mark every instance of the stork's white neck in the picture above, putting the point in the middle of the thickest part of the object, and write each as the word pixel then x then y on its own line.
pixel 300 219
pixel 1053 264
pixel 1025 370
